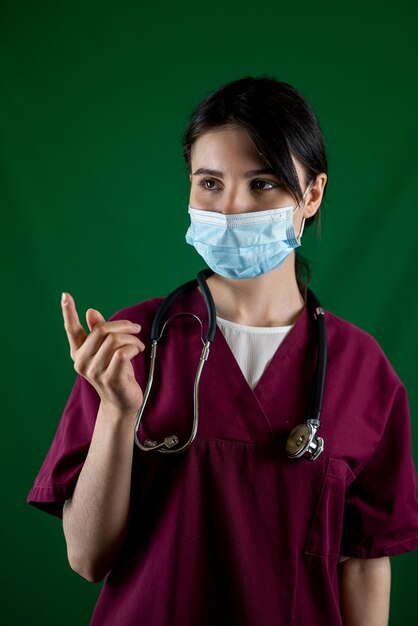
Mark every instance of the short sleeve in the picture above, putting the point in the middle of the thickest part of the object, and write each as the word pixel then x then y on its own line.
pixel 62 465
pixel 381 509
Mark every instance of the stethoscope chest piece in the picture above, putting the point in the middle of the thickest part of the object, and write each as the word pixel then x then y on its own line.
pixel 302 441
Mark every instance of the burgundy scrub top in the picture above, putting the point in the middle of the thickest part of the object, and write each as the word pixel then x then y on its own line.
pixel 232 531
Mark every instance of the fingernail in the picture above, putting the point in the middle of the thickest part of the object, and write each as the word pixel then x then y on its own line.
pixel 137 326
pixel 64 298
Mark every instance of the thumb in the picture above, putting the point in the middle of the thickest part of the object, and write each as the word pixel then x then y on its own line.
pixel 93 317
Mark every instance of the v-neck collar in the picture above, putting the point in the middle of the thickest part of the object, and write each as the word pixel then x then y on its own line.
pixel 278 355
pixel 296 335
pixel 274 377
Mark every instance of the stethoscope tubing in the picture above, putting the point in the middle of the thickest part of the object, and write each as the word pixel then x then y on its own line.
pixel 314 445
pixel 167 302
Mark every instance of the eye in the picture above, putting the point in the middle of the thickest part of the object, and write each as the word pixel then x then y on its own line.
pixel 264 182
pixel 204 183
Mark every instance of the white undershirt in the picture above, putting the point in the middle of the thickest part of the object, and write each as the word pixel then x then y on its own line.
pixel 252 346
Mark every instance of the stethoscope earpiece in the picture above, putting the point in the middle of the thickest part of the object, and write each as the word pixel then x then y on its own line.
pixel 302 441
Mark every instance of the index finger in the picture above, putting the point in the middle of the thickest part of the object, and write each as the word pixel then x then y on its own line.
pixel 75 331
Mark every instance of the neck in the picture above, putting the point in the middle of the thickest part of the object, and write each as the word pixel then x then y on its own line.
pixel 272 299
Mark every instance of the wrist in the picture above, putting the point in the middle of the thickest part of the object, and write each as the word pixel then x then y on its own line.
pixel 115 415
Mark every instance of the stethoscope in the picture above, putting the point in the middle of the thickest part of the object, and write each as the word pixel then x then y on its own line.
pixel 302 441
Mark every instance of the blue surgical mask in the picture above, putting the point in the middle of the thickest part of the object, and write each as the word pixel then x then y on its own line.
pixel 243 245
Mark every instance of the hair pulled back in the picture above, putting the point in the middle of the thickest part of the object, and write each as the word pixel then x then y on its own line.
pixel 280 123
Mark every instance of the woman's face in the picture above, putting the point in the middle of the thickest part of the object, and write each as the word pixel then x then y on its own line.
pixel 225 177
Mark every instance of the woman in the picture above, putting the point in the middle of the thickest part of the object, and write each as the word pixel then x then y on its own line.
pixel 232 530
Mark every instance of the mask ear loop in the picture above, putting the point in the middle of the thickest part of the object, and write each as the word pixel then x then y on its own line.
pixel 299 237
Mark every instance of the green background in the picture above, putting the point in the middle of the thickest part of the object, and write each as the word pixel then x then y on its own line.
pixel 94 194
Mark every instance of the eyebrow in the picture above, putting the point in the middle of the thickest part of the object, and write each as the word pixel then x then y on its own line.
pixel 210 172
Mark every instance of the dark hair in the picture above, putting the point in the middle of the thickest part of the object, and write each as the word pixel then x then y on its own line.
pixel 280 122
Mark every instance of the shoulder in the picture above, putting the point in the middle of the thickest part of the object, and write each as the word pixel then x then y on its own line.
pixel 359 349
pixel 140 312
pixel 143 312
pixel 343 328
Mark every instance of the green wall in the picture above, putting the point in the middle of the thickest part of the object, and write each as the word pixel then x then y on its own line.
pixel 94 193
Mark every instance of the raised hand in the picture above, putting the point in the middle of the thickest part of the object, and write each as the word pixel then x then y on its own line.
pixel 103 357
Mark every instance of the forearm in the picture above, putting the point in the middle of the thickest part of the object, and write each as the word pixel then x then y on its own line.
pixel 365 591
pixel 95 519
